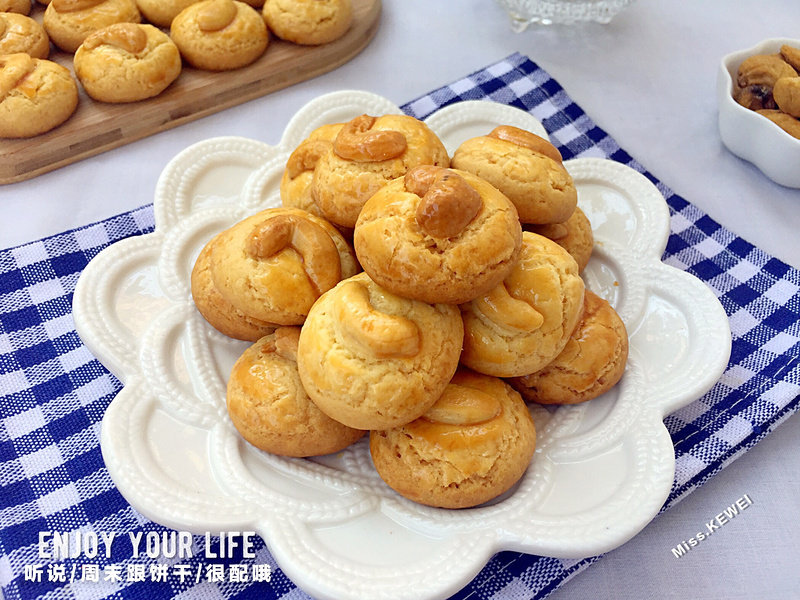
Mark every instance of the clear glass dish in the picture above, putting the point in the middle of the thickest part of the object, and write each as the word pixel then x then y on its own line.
pixel 524 13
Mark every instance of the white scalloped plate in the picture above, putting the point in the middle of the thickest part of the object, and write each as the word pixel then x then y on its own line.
pixel 601 472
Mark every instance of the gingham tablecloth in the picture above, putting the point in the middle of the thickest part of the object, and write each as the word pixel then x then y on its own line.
pixel 54 392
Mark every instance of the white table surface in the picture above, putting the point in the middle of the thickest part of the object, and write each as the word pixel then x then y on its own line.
pixel 648 78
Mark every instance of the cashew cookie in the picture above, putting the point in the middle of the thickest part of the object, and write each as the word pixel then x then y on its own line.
pixel 308 22
pixel 522 324
pixel 472 445
pixel 574 235
pixel 20 33
pixel 69 22
pixel 438 235
pixel 269 407
pixel 374 360
pixel 366 154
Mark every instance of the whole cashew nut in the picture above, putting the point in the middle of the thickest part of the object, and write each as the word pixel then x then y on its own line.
pixel 357 142
pixel 463 405
pixel 127 36
pixel 63 6
pixel 526 139
pixel 787 95
pixel 305 157
pixel 501 307
pixel 320 256
pixel 216 15
pixel 448 202
pixel 378 333
pixel 13 68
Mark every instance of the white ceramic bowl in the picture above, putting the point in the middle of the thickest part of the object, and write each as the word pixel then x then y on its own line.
pixel 749 135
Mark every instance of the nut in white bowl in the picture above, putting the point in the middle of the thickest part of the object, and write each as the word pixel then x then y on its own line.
pixel 749 135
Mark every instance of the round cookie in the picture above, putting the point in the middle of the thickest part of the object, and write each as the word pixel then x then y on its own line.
pixel 574 235
pixel 221 314
pixel 472 445
pixel 127 62
pixel 69 22
pixel 295 184
pixel 526 168
pixel 19 33
pixel 591 363
pixel 523 324
pixel 373 360
pixel 21 7
pixel 269 407
pixel 274 265
pixel 367 153
pixel 161 12
pixel 438 235
pixel 220 35
pixel 36 95
pixel 308 22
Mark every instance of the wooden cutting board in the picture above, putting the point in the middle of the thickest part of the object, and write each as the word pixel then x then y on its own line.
pixel 96 127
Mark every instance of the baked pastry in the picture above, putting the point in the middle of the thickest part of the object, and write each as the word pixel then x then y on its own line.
pixel 295 185
pixel 269 407
pixel 161 12
pixel 219 312
pixel 367 153
pixel 308 22
pixel 438 235
pixel 526 168
pixel 20 33
pixel 69 22
pixel 274 265
pixel 21 7
pixel 472 445
pixel 592 362
pixel 220 35
pixel 574 235
pixel 524 323
pixel 373 360
pixel 127 62
pixel 36 95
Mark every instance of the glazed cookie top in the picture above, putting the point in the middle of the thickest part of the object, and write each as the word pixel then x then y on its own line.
pixel 526 168
pixel 522 324
pixel 20 33
pixel 372 359
pixel 68 22
pixel 367 153
pixel 308 22
pixel 575 235
pixel 269 407
pixel 438 235
pixel 274 265
pixel 472 445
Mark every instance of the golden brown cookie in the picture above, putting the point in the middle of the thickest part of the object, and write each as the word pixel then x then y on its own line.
pixel 308 22
pixel 220 35
pixel 373 360
pixel 438 235
pixel 526 168
pixel 574 235
pixel 19 33
pixel 295 185
pixel 36 95
pixel 221 314
pixel 274 265
pixel 591 363
pixel 472 445
pixel 787 95
pixel 271 410
pixel 127 62
pixel 68 22
pixel 161 12
pixel 788 123
pixel 21 7
pixel 367 153
pixel 524 323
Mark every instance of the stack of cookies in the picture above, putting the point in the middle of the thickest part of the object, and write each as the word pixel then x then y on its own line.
pixel 132 50
pixel 470 304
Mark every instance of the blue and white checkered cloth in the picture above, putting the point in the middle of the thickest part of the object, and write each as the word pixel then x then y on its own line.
pixel 54 392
